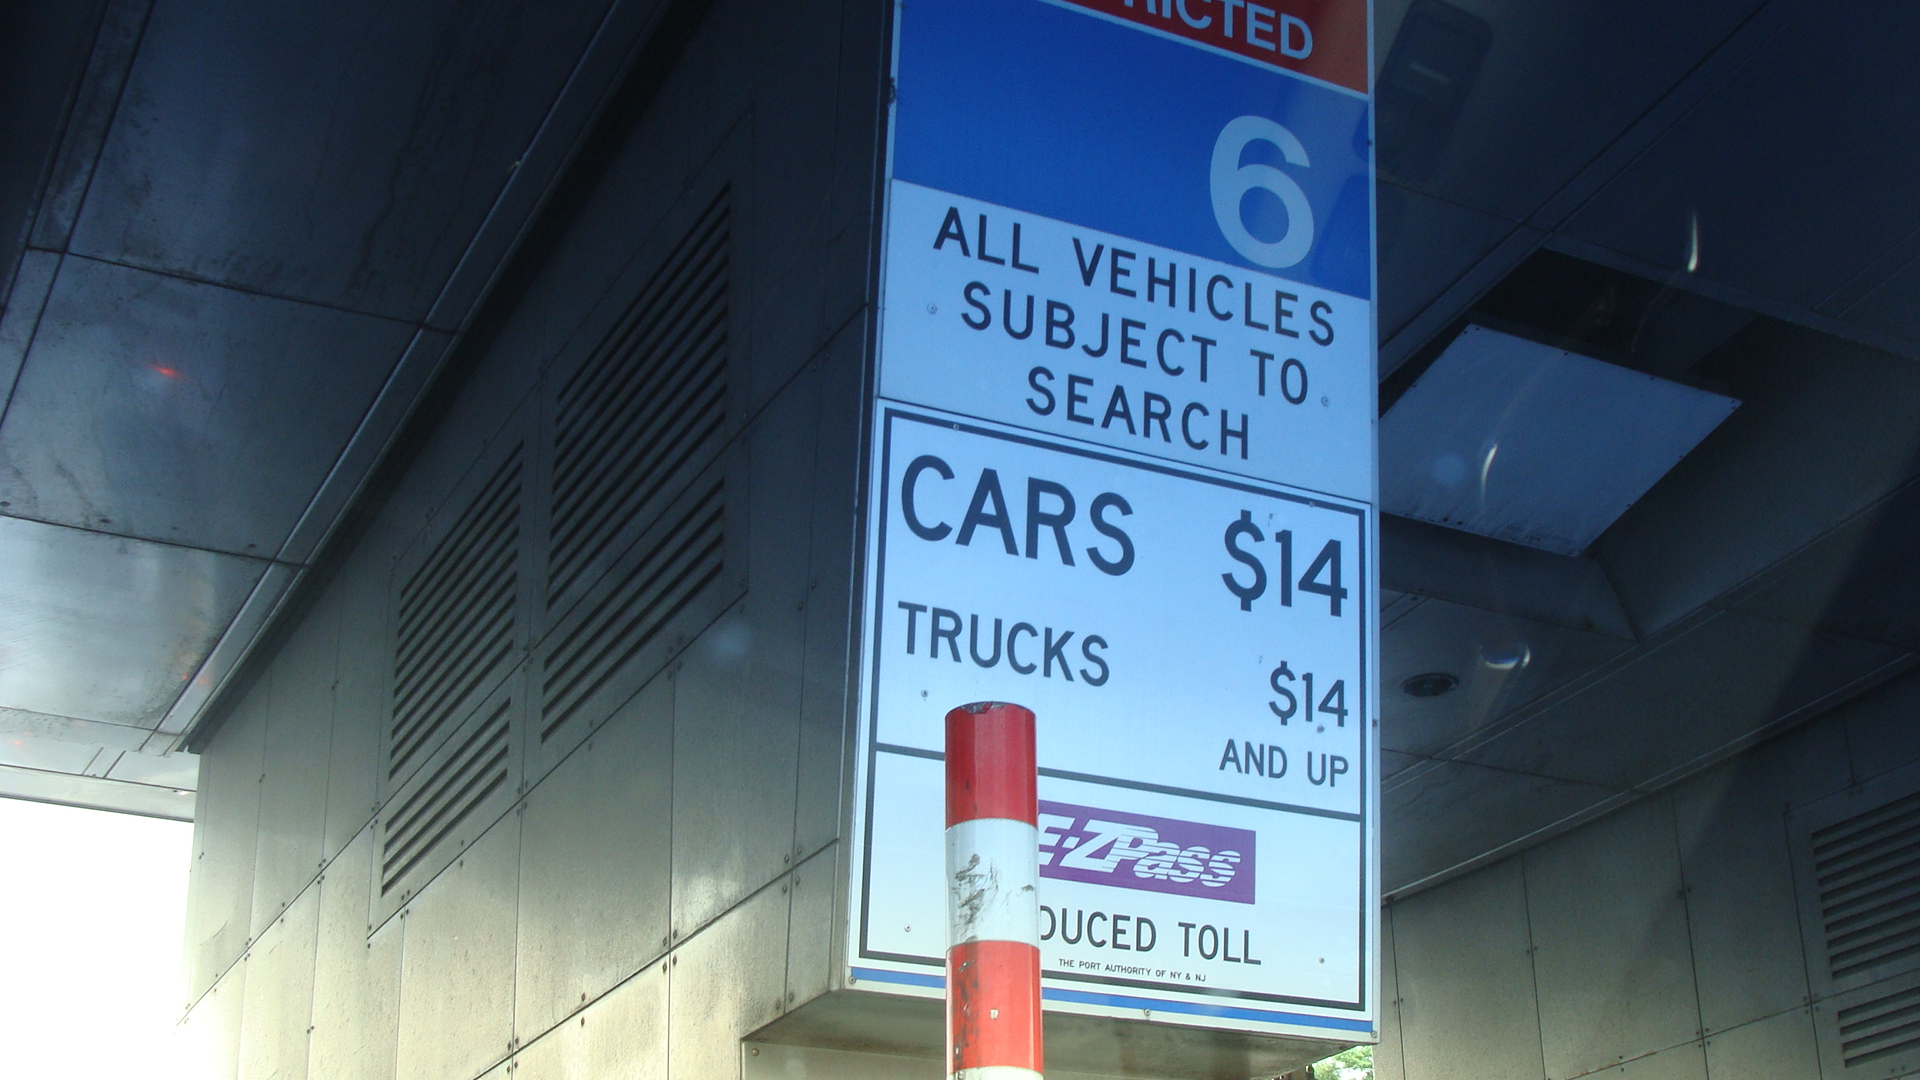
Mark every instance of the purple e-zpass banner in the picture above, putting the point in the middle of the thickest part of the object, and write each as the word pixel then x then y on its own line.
pixel 1136 851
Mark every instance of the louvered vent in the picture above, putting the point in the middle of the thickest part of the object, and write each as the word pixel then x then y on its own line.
pixel 647 400
pixel 1876 1030
pixel 681 560
pixel 460 782
pixel 456 622
pixel 1867 870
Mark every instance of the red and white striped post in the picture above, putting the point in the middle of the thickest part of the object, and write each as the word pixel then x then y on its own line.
pixel 993 894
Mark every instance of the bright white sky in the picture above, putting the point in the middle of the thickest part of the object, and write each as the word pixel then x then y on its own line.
pixel 94 910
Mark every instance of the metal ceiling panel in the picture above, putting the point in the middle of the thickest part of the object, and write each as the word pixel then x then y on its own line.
pixel 1431 560
pixel 1556 85
pixel 1816 106
pixel 94 793
pixel 184 412
pixel 1535 445
pixel 1392 762
pixel 596 846
pixel 1825 429
pixel 1502 662
pixel 1443 815
pixel 20 315
pixel 31 752
pixel 1857 579
pixel 456 981
pixel 1616 882
pixel 70 729
pixel 99 627
pixel 1425 245
pixel 1482 916
pixel 180 771
pixel 1892 306
pixel 342 153
pixel 1700 693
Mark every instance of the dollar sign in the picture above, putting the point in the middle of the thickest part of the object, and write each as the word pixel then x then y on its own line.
pixel 1247 593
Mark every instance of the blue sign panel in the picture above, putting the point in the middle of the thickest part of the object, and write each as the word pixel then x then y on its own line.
pixel 1047 108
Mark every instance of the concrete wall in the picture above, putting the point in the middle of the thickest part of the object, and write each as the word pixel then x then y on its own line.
pixel 1662 942
pixel 658 888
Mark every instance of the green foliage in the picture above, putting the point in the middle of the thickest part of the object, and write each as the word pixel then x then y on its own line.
pixel 1352 1064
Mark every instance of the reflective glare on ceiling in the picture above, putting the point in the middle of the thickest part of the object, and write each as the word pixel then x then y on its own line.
pixel 1523 442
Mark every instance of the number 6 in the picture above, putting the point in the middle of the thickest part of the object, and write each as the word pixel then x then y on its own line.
pixel 1231 180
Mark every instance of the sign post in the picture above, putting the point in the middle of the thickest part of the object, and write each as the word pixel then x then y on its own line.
pixel 1123 471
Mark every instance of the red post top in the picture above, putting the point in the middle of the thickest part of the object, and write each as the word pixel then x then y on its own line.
pixel 1325 39
pixel 990 763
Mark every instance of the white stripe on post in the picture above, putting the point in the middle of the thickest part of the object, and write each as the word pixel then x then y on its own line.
pixel 993 865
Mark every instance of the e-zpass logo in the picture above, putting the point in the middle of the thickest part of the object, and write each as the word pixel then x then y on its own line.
pixel 1135 851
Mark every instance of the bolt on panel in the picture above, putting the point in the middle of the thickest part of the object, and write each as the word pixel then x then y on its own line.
pixel 356 985
pixel 456 981
pixel 276 1017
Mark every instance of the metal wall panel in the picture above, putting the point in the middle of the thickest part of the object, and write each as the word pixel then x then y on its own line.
pixel 1448 812
pixel 737 700
pixel 795 60
pixel 226 817
pixel 458 794
pixel 826 704
pixel 114 422
pixel 1465 980
pixel 356 986
pixel 725 983
pixel 1780 1047
pixel 1691 696
pixel 1881 733
pixel 1389 1061
pixel 210 1037
pixel 814 941
pixel 624 1035
pixel 293 790
pixel 456 980
pixel 1743 917
pixel 279 997
pixel 596 846
pixel 361 684
pixel 1609 928
pixel 1684 1062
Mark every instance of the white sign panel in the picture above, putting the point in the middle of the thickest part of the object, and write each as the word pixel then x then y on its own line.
pixel 1123 474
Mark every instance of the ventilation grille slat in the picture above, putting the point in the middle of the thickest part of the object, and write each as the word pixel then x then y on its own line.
pixel 432 809
pixel 687 556
pixel 457 618
pixel 1867 869
pixel 1881 1028
pixel 648 398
